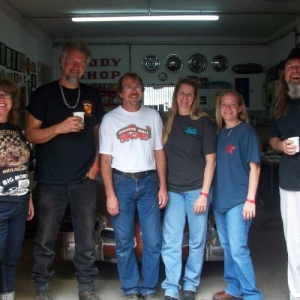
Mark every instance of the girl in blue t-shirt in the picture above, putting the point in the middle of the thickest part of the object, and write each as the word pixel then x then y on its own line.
pixel 234 190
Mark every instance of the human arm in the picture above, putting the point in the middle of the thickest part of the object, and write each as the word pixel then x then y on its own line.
pixel 161 168
pixel 34 132
pixel 286 146
pixel 200 204
pixel 95 167
pixel 112 203
pixel 30 209
pixel 249 206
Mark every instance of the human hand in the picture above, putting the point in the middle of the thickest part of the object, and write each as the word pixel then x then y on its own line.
pixel 30 209
pixel 112 205
pixel 289 147
pixel 200 204
pixel 71 124
pixel 249 210
pixel 162 198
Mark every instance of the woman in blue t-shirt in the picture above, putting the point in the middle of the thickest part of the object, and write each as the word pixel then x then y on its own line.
pixel 234 191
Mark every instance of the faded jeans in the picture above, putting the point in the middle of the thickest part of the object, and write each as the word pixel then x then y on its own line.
pixel 238 268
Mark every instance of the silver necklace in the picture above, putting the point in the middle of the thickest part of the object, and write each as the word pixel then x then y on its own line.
pixel 229 133
pixel 64 98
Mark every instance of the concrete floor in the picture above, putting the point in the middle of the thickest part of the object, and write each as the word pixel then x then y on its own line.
pixel 266 243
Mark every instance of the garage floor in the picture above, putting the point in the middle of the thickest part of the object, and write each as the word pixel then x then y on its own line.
pixel 266 243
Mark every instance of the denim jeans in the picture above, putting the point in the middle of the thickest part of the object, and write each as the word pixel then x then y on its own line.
pixel 141 194
pixel 238 269
pixel 12 229
pixel 180 207
pixel 51 206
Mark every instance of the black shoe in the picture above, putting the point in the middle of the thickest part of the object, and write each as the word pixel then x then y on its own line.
pixel 189 295
pixel 133 296
pixel 169 298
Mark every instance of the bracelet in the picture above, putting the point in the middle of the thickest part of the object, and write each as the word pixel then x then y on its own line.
pixel 96 168
pixel 204 194
pixel 251 201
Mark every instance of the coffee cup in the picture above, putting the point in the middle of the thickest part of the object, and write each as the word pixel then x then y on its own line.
pixel 79 114
pixel 295 139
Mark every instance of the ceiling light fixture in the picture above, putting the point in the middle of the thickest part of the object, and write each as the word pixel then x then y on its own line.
pixel 148 18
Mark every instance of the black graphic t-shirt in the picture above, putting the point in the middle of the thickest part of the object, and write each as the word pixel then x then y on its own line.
pixel 14 161
pixel 66 158
pixel 188 143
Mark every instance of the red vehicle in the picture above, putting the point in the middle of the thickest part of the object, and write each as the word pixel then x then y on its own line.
pixel 105 239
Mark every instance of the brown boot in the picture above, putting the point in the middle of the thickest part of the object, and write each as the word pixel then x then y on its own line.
pixel 224 296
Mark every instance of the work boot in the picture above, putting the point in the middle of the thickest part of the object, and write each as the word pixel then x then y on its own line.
pixel 88 295
pixel 44 296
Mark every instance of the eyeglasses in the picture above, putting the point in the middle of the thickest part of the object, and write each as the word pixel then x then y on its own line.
pixel 230 105
pixel 6 96
pixel 130 88
pixel 183 94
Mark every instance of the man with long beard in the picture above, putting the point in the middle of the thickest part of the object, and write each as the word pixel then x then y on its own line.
pixel 286 124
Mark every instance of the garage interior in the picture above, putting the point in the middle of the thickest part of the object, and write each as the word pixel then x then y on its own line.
pixel 263 30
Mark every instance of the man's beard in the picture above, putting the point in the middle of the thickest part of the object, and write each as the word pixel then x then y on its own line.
pixel 72 79
pixel 294 90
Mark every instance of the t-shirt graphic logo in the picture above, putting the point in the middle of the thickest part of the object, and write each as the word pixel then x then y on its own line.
pixel 132 132
pixel 88 107
pixel 230 148
pixel 191 130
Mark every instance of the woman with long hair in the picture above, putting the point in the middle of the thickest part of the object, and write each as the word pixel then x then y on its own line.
pixel 189 143
pixel 235 184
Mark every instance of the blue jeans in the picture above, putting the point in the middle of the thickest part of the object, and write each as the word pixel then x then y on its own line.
pixel 51 207
pixel 180 207
pixel 12 229
pixel 238 269
pixel 143 195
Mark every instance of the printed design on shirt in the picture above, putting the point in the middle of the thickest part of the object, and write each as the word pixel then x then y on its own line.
pixel 87 107
pixel 133 132
pixel 14 154
pixel 13 151
pixel 230 148
pixel 191 130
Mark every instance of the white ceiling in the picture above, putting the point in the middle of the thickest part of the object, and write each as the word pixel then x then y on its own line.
pixel 260 20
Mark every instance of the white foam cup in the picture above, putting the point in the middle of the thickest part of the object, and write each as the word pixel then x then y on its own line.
pixel 79 114
pixel 295 139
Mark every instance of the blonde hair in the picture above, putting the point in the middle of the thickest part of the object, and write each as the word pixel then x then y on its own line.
pixel 10 87
pixel 195 112
pixel 242 116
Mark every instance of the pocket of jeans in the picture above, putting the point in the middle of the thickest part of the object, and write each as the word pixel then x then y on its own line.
pixel 117 178
pixel 153 176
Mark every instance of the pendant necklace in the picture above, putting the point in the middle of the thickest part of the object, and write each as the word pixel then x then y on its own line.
pixel 229 133
pixel 63 96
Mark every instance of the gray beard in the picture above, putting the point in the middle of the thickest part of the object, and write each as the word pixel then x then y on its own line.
pixel 72 79
pixel 294 90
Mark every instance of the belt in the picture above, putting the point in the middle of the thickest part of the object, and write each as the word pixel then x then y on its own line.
pixel 136 175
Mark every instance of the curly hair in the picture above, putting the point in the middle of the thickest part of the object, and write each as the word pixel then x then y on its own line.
pixel 10 87
pixel 243 116
pixel 195 112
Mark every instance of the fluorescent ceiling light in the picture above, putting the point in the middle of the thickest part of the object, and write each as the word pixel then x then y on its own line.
pixel 148 18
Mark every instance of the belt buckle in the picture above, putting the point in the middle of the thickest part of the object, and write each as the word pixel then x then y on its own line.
pixel 132 176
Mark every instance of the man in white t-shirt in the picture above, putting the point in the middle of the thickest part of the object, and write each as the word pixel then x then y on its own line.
pixel 133 168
